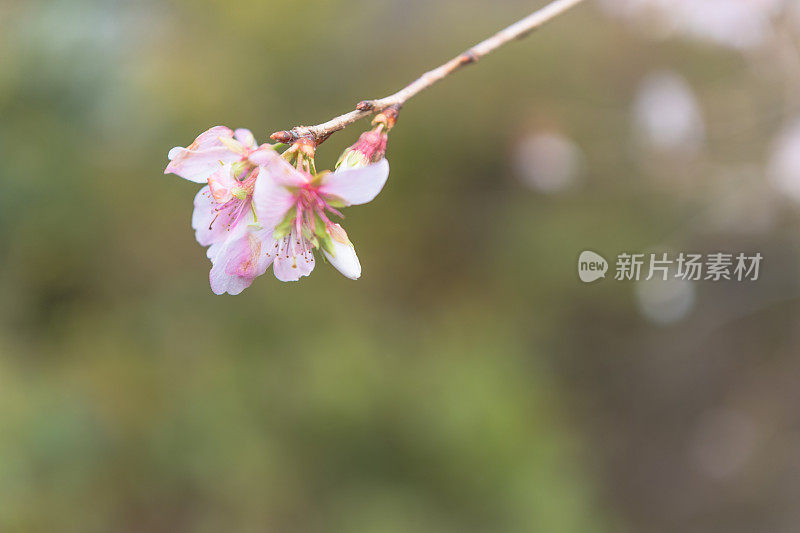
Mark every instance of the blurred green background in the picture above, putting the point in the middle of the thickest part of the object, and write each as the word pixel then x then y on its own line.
pixel 469 381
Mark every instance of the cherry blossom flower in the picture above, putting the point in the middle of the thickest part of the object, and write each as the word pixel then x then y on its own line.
pixel 257 209
pixel 224 218
pixel 298 204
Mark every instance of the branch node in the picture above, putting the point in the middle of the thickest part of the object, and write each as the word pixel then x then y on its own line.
pixel 468 57
pixel 387 117
pixel 282 136
pixel 365 105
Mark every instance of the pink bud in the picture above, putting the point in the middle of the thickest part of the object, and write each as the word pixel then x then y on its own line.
pixel 369 148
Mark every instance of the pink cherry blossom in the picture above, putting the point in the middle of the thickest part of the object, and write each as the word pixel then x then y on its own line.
pixel 223 217
pixel 257 210
pixel 221 205
pixel 299 205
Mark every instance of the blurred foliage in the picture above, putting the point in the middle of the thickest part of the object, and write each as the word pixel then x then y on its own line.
pixel 465 383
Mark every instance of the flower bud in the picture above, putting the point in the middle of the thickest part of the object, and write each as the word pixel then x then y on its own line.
pixel 369 148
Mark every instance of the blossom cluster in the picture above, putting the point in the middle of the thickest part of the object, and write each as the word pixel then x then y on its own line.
pixel 261 206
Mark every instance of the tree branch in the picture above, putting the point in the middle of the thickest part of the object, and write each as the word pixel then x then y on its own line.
pixel 518 30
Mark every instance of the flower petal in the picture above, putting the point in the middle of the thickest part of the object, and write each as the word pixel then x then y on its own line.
pixel 271 200
pixel 221 183
pixel 358 185
pixel 240 260
pixel 210 138
pixel 203 157
pixel 245 137
pixel 198 166
pixel 263 155
pixel 345 259
pixel 293 258
pixel 285 174
pixel 209 224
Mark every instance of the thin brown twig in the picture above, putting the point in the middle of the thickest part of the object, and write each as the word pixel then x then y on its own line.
pixel 518 30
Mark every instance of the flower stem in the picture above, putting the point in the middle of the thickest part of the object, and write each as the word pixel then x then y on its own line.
pixel 518 30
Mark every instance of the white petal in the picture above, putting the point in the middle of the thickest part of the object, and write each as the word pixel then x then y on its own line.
pixel 174 152
pixel 225 275
pixel 282 172
pixel 210 138
pixel 345 260
pixel 198 166
pixel 245 137
pixel 271 200
pixel 209 224
pixel 200 159
pixel 287 265
pixel 263 156
pixel 357 185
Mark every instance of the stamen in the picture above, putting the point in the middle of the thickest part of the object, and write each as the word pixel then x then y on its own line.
pixel 213 220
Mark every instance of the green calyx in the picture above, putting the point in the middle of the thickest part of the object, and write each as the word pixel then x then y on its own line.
pixel 323 237
pixel 351 158
pixel 336 202
pixel 285 226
